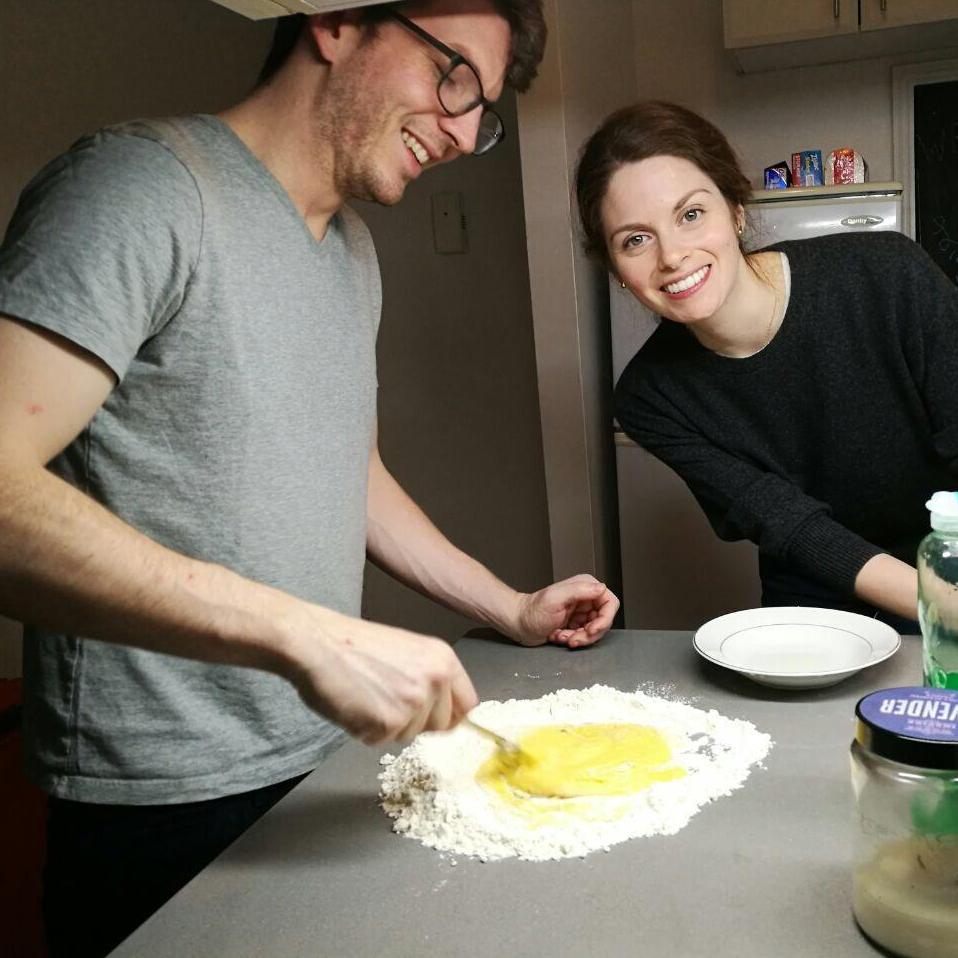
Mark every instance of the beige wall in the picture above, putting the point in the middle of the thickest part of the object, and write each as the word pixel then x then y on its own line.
pixel 766 116
pixel 588 71
pixel 459 412
pixel 458 407
pixel 70 66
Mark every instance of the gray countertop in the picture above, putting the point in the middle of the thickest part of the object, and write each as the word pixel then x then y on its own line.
pixel 763 872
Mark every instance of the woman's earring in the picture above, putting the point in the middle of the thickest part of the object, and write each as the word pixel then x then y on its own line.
pixel 741 229
pixel 622 284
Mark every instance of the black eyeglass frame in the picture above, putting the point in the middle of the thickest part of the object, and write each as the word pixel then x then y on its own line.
pixel 456 59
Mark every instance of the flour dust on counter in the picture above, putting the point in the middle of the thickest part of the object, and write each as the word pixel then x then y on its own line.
pixel 599 766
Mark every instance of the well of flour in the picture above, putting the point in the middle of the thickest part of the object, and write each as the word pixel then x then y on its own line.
pixel 439 791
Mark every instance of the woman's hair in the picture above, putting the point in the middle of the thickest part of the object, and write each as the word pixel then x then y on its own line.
pixel 525 18
pixel 651 128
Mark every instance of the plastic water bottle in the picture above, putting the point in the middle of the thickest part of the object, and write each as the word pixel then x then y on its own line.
pixel 938 593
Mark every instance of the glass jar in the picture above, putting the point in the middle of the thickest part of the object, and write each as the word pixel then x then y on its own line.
pixel 938 592
pixel 905 777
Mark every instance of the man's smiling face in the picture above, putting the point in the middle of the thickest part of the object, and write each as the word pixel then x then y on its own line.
pixel 389 124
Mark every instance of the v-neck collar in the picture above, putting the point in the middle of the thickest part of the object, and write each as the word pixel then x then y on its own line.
pixel 262 171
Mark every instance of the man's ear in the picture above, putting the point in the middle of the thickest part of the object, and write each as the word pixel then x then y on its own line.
pixel 334 35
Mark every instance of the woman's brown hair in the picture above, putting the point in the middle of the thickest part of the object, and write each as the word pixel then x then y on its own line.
pixel 646 129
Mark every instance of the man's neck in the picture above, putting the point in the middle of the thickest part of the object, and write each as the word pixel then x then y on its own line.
pixel 277 122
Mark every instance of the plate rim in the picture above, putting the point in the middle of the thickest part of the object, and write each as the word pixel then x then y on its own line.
pixel 792 609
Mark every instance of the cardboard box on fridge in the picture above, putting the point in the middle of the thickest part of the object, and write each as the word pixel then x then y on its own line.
pixel 845 165
pixel 807 168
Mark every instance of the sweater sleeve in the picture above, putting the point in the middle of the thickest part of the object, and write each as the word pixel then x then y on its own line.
pixel 928 317
pixel 741 499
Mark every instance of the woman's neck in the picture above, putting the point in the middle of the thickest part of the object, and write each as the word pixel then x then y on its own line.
pixel 752 313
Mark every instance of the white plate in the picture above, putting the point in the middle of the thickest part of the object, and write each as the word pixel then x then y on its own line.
pixel 796 646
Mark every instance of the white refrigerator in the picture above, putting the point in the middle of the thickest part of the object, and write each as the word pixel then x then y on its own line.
pixel 676 573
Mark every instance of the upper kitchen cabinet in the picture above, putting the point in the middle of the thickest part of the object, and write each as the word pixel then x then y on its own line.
pixel 771 36
pixel 264 9
pixel 750 23
pixel 880 14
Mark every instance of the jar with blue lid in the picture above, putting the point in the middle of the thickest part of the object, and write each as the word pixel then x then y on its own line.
pixel 905 777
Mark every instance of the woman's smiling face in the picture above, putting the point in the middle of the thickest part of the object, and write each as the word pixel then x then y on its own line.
pixel 672 237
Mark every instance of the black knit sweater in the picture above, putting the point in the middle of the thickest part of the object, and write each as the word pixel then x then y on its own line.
pixel 823 447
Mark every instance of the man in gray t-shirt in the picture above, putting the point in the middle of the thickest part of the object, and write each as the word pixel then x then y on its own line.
pixel 189 473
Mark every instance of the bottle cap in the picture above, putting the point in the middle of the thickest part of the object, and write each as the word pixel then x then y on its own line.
pixel 944 511
pixel 911 725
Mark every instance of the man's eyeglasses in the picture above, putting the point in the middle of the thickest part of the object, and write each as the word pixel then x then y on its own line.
pixel 460 89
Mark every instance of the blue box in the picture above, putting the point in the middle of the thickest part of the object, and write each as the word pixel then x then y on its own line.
pixel 810 172
pixel 778 177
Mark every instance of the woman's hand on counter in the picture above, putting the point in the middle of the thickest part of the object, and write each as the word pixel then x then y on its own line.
pixel 574 612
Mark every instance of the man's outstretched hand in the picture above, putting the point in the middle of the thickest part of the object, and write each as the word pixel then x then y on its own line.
pixel 574 612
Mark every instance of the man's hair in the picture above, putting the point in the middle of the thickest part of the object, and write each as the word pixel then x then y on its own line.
pixel 285 36
pixel 526 24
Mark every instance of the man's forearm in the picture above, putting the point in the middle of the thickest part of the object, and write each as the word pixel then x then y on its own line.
pixel 67 563
pixel 889 584
pixel 404 542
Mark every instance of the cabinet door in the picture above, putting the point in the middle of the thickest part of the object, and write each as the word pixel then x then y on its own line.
pixel 750 23
pixel 265 9
pixel 878 14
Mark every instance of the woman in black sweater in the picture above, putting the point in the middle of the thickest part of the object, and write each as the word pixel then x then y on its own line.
pixel 806 393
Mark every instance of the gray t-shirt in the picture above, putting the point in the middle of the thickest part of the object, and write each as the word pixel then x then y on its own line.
pixel 239 433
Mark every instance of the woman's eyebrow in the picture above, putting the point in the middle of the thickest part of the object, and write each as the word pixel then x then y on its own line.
pixel 626 227
pixel 687 197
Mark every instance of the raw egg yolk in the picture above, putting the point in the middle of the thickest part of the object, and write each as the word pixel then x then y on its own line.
pixel 570 761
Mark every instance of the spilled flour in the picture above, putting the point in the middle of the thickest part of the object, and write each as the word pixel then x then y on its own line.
pixel 431 791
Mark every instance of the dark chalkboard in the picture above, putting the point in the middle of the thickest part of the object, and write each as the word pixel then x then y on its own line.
pixel 936 172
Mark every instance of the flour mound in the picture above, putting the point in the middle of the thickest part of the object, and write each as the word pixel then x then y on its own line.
pixel 431 792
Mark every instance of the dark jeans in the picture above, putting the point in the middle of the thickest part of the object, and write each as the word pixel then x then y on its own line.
pixel 109 867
